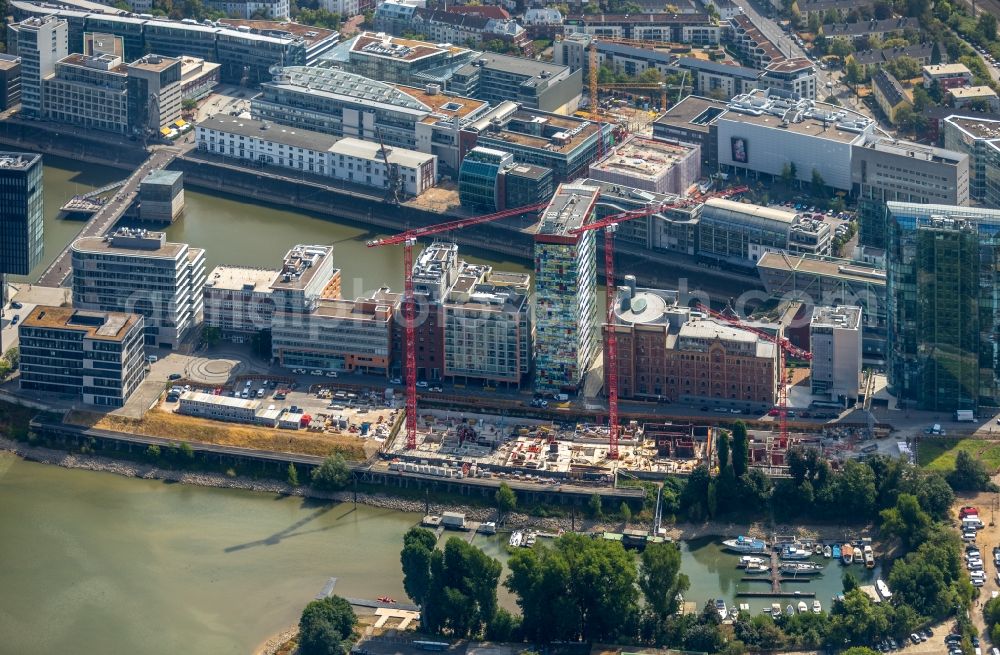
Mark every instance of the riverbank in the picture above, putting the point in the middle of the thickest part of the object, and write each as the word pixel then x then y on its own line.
pixel 514 520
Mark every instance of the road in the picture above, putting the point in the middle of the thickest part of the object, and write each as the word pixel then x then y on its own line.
pixel 104 219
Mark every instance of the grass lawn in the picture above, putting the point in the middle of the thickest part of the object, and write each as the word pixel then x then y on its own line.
pixel 938 454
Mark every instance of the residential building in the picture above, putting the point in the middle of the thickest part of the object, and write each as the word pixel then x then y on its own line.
pixel 238 301
pixel 719 81
pixel 218 408
pixel 346 7
pixel 840 7
pixel 161 196
pixel 827 281
pixel 871 29
pixel 139 271
pixel 338 334
pixel 565 144
pixel 740 234
pixel 944 312
pixel 667 351
pixel 538 16
pixel 889 94
pixel 695 28
pixel 796 77
pixel 532 84
pixel 565 290
pixel 573 50
pixel 874 60
pixel 752 45
pixel 450 26
pixel 979 138
pixel 934 134
pixel 10 81
pixel 726 9
pixel 835 344
pixel 763 133
pixel 94 356
pixel 340 158
pixel 276 9
pixel 650 165
pixel 40 43
pixel 21 215
pixel 947 76
pixel 980 97
pixel 343 104
pixel 884 169
pixel 692 120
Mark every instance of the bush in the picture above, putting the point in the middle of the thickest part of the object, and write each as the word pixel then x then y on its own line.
pixel 333 474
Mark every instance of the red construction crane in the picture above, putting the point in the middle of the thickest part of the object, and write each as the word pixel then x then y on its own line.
pixel 408 239
pixel 610 225
pixel 784 347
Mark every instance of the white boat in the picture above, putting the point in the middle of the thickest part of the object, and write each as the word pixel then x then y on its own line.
pixel 847 553
pixel 720 607
pixel 869 556
pixel 515 539
pixel 757 569
pixel 818 549
pixel 487 527
pixel 743 544
pixel 817 608
pixel 827 552
pixel 800 568
pixel 794 552
pixel 803 608
pixel 883 589
pixel 775 610
pixel 750 560
pixel 529 540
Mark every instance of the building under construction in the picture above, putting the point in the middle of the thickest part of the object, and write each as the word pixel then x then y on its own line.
pixel 650 165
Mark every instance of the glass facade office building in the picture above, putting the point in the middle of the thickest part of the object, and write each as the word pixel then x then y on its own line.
pixel 21 218
pixel 943 306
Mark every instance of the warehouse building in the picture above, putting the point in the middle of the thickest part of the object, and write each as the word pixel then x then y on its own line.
pixel 139 271
pixel 565 290
pixel 667 351
pixel 340 158
pixel 96 356
pixel 650 165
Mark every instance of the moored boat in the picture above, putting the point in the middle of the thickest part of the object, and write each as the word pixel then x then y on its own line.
pixel 529 539
pixel 818 549
pixel 883 589
pixel 827 552
pixel 743 544
pixel 487 527
pixel 791 551
pixel 801 568
pixel 835 551
pixel 720 607
pixel 757 569
pixel 803 608
pixel 749 560
pixel 789 610
pixel 515 539
pixel 817 608
pixel 775 610
pixel 869 556
pixel 847 553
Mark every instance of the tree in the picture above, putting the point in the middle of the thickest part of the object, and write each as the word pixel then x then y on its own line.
pixel 326 626
pixel 211 335
pixel 418 544
pixel 987 26
pixel 740 448
pixel 814 22
pixel 595 507
pixel 185 451
pixel 189 104
pixel 332 474
pixel 293 475
pixel 153 452
pixel 969 475
pixel 907 521
pixel 722 449
pixel 577 589
pixel 857 620
pixel 840 47
pixel 462 598
pixel 625 512
pixel 506 498
pixel 850 581
pixel 694 497
pixel 660 578
pixel 819 189
pixel 853 72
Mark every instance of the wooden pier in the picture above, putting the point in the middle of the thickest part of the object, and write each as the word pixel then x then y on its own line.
pixel 778 594
pixel 81 205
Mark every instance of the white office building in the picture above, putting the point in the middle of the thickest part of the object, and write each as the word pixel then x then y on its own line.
pixel 40 43
pixel 140 272
pixel 835 342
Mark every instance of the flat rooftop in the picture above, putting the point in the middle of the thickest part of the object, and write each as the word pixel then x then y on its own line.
pixel 643 157
pixel 154 63
pixel 694 112
pixel 103 62
pixel 834 268
pixel 393 47
pixel 771 213
pixel 842 316
pixel 8 61
pixel 21 160
pixel 104 245
pixel 267 131
pixel 219 401
pixel 569 209
pixel 443 106
pixel 914 150
pixel 110 326
pixel 529 171
pixel 162 176
pixel 300 265
pixel 361 309
pixel 979 128
pixel 946 70
pixel 308 33
pixel 814 119
pixel 972 92
pixel 241 278
pixel 790 65
pixel 521 65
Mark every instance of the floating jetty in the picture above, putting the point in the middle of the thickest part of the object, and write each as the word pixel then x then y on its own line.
pixel 776 594
pixel 81 205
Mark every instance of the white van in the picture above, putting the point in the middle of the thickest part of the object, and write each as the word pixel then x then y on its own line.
pixel 260 392
pixel 936 428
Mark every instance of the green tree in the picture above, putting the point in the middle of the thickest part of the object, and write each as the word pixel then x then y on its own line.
pixel 859 650
pixel 595 507
pixel 332 474
pixel 740 448
pixel 987 26
pixel 462 598
pixel 211 335
pixel 153 452
pixel 189 104
pixel 660 578
pixel 694 497
pixel 969 475
pixel 578 589
pixel 506 499
pixel 814 23
pixel 857 620
pixel 853 72
pixel 625 512
pixel 907 521
pixel 325 627
pixel 418 545
pixel 819 189
pixel 722 449
pixel 850 581
pixel 185 451
pixel 293 475
pixel 840 47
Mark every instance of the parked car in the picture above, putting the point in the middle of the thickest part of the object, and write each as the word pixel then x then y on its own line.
pixel 174 376
pixel 316 371
pixel 15 305
pixel 422 384
pixel 331 374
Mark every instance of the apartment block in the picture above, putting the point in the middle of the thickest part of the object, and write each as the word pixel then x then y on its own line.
pixel 95 356
pixel 947 76
pixel 695 27
pixel 793 76
pixel 667 351
pixel 835 342
pixel 884 169
pixel 944 312
pixel 139 271
pixel 565 290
